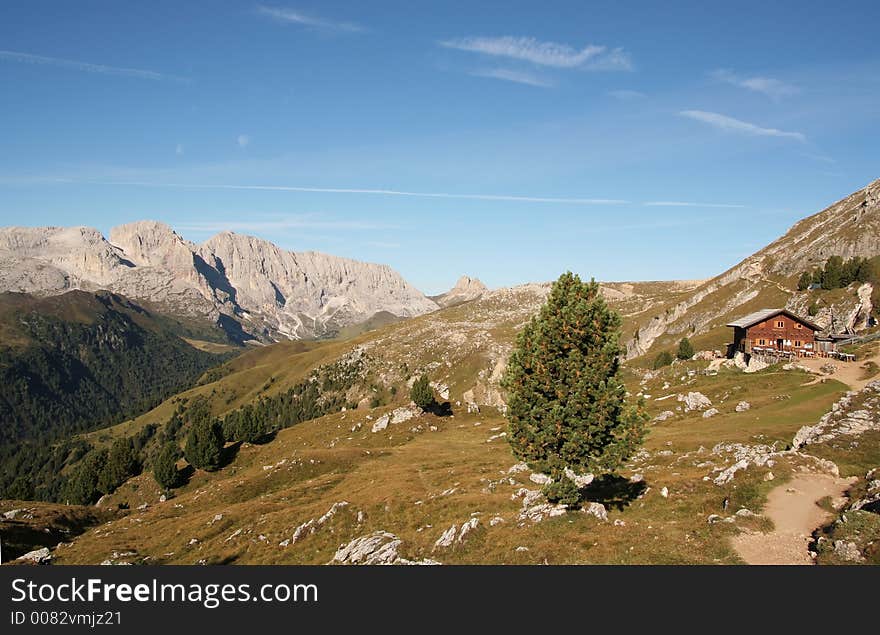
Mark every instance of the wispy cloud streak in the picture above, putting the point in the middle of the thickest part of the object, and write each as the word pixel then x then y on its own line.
pixel 513 76
pixel 773 88
pixel 341 190
pixel 291 16
pixel 529 49
pixel 296 222
pixel 688 204
pixel 723 122
pixel 103 69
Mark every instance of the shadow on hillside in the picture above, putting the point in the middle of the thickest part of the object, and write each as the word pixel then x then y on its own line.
pixel 266 438
pixel 441 409
pixel 229 453
pixel 613 491
pixel 184 475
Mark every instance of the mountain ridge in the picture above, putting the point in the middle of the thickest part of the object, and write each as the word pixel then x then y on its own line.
pixel 272 293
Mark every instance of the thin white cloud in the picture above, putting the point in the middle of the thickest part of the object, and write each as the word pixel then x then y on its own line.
pixel 293 222
pixel 243 140
pixel 821 158
pixel 102 69
pixel 339 190
pixel 179 149
pixel 529 49
pixel 626 95
pixel 688 204
pixel 509 75
pixel 292 16
pixel 773 88
pixel 729 124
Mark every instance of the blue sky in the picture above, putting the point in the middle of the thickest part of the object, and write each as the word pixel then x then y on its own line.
pixel 505 140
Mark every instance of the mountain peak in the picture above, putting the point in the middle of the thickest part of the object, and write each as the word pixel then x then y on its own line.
pixel 465 290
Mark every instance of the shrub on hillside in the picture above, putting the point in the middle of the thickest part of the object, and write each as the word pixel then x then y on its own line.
pixel 685 349
pixel 422 394
pixel 664 358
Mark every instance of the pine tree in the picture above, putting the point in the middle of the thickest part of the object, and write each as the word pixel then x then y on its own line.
pixel 685 349
pixel 833 274
pixel 204 445
pixel 567 404
pixel 422 393
pixel 805 281
pixel 122 463
pixel 82 486
pixel 165 466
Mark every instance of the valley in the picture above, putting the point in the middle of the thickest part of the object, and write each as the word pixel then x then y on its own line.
pixel 345 470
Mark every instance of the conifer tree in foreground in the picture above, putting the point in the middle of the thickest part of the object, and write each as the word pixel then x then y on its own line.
pixel 567 404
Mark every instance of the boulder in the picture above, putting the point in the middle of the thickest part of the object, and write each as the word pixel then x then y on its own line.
pixel 378 548
pixel 695 401
pixel 38 556
pixel 743 406
pixel 711 412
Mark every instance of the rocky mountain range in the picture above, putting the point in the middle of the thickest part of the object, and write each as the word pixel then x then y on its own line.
pixel 245 284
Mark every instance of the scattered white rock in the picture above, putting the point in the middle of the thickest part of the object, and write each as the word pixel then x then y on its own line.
pixel 381 423
pixel 540 479
pixel 378 548
pixel 38 556
pixel 663 416
pixel 695 401
pixel 596 509
pixel 446 538
pixel 711 412
pixel 743 406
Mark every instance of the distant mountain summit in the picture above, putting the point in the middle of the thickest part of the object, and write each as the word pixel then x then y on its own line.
pixel 241 282
pixel 465 290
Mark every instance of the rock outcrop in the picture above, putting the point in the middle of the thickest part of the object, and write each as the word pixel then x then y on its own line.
pixel 465 290
pixel 271 293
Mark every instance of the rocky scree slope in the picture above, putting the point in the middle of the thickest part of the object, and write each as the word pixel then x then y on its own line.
pixel 848 228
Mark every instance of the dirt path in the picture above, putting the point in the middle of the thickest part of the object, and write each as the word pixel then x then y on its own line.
pixel 792 508
pixel 850 373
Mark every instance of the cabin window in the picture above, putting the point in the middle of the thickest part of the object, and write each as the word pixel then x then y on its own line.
pixel 798 344
pixel 762 342
pixel 780 324
pixel 799 325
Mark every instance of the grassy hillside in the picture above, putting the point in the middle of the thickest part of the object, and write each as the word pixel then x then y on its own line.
pixel 416 479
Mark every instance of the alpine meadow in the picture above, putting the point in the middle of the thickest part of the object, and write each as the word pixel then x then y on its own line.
pixel 438 284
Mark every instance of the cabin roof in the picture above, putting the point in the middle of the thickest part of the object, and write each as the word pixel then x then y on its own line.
pixel 765 314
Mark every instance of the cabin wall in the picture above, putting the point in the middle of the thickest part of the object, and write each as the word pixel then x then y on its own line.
pixel 790 331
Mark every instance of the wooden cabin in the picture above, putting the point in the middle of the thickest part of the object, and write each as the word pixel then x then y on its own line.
pixel 774 332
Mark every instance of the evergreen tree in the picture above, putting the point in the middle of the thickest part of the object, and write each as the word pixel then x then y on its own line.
pixel 664 358
pixel 422 393
pixel 82 486
pixel 122 464
pixel 685 349
pixel 204 445
pixel 567 404
pixel 833 274
pixel 805 281
pixel 165 466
